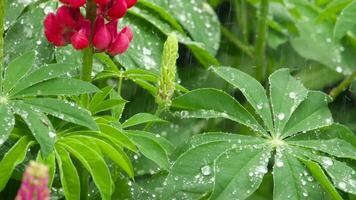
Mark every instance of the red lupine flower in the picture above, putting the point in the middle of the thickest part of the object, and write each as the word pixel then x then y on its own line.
pixel 74 3
pixel 62 26
pixel 118 9
pixel 131 3
pixel 34 183
pixel 119 45
pixel 102 36
pixel 128 32
pixel 102 2
pixel 80 40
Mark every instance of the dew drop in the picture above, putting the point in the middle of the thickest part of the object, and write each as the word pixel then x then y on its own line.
pixel 279 163
pixel 281 116
pixel 206 170
pixel 292 95
pixel 327 161
pixel 342 185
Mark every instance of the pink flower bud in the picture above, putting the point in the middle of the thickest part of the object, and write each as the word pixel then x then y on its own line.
pixel 118 9
pixel 80 40
pixel 102 36
pixel 102 2
pixel 128 32
pixel 112 27
pixel 120 45
pixel 34 183
pixel 131 3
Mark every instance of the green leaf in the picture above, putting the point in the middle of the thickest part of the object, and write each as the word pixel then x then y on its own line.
pixel 50 162
pixel 312 113
pixel 292 180
pixel 58 86
pixel 43 74
pixel 239 172
pixel 68 174
pixel 212 103
pixel 117 136
pixel 150 148
pixel 94 163
pixel 334 147
pixel 17 69
pixel 320 176
pixel 7 122
pixel 39 125
pixel 286 95
pixel 252 90
pixel 345 22
pixel 12 158
pixel 67 111
pixel 99 97
pixel 192 175
pixel 141 118
pixel 108 104
pixel 115 154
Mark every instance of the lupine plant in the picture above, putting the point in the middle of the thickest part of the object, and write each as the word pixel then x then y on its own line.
pixel 133 99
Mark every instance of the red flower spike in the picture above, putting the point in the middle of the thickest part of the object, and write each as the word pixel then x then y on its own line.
pixel 131 3
pixel 102 2
pixel 66 17
pixel 80 40
pixel 51 24
pixel 112 27
pixel 128 32
pixel 56 39
pixel 118 9
pixel 102 36
pixel 120 45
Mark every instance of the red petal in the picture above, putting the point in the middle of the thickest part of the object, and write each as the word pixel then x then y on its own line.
pixel 120 45
pixel 128 32
pixel 80 40
pixel 65 1
pixel 118 9
pixel 112 27
pixel 51 24
pixel 64 17
pixel 56 39
pixel 76 3
pixel 102 2
pixel 102 37
pixel 131 3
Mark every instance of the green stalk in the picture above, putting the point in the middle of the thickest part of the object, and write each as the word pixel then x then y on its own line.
pixel 88 53
pixel 343 85
pixel 2 30
pixel 235 41
pixel 260 47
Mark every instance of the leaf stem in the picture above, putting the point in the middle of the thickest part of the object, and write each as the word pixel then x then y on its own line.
pixel 158 112
pixel 2 31
pixel 342 86
pixel 230 36
pixel 88 53
pixel 260 46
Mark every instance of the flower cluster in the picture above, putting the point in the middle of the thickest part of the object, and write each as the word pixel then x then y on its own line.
pixel 34 183
pixel 69 26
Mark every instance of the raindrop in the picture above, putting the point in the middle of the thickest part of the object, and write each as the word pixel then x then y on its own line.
pixel 206 170
pixel 327 161
pixel 342 185
pixel 279 163
pixel 292 95
pixel 51 134
pixel 281 116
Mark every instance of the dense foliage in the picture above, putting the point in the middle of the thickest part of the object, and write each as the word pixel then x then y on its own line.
pixel 191 99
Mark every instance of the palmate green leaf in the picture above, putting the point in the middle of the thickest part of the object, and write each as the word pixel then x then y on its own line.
pixel 68 174
pixel 345 21
pixel 292 181
pixel 7 122
pixel 39 125
pixel 58 86
pixel 99 97
pixel 313 113
pixel 252 90
pixel 115 153
pixel 93 162
pixel 239 170
pixel 150 148
pixel 67 111
pixel 141 118
pixel 286 95
pixel 42 74
pixel 320 176
pixel 212 103
pixel 117 136
pixel 12 158
pixel 17 69
pixel 192 175
pixel 342 175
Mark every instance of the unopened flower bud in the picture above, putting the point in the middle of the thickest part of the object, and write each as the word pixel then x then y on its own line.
pixel 166 84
